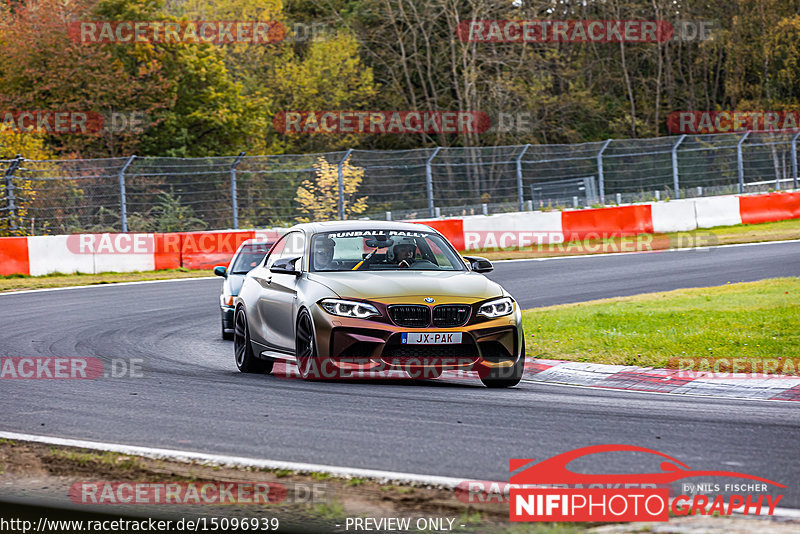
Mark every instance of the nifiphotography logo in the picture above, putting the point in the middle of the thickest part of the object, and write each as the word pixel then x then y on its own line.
pixel 549 491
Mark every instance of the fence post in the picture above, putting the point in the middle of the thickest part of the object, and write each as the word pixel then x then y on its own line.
pixel 123 203
pixel 675 182
pixel 429 181
pixel 740 161
pixel 794 158
pixel 11 197
pixel 341 183
pixel 520 194
pixel 234 201
pixel 601 185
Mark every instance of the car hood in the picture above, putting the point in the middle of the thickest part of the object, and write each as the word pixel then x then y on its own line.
pixel 390 286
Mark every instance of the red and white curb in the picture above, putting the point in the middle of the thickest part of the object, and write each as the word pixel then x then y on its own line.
pixel 620 377
pixel 673 381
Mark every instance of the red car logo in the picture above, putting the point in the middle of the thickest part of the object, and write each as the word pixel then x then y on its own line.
pixel 554 470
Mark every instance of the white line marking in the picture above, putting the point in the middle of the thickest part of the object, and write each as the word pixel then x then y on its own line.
pixel 606 254
pixel 110 284
pixel 239 461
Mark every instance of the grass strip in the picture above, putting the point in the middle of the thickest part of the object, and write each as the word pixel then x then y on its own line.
pixel 19 282
pixel 753 321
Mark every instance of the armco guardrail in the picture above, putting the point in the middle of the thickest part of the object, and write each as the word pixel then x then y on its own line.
pixel 93 253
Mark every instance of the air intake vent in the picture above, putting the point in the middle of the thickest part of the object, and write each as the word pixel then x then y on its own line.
pixel 410 315
pixel 450 315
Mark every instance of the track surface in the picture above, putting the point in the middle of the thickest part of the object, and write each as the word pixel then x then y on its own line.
pixel 192 397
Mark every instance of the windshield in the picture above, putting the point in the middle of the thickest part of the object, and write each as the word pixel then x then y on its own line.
pixel 249 257
pixel 382 250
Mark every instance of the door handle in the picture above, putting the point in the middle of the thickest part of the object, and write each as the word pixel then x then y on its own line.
pixel 268 280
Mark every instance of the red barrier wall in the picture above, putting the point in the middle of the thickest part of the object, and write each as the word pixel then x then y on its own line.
pixel 14 256
pixel 768 208
pixel 607 222
pixel 452 229
pixel 167 254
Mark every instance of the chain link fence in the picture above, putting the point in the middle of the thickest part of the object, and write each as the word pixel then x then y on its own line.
pixel 160 194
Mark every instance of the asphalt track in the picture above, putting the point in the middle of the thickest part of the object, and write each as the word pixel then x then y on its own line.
pixel 192 397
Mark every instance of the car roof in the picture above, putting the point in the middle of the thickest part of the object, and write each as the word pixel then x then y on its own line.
pixel 343 226
pixel 254 242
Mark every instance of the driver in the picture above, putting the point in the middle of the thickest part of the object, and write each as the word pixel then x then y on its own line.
pixel 323 253
pixel 404 252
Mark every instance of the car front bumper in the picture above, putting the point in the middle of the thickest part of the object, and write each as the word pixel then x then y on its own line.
pixel 227 318
pixel 369 345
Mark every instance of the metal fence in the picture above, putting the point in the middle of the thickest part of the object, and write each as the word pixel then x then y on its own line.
pixel 176 194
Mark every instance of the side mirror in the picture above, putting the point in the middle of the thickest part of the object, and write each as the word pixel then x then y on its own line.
pixel 285 266
pixel 479 265
pixel 221 270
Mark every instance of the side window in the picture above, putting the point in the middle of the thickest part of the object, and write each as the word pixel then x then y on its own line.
pixel 295 247
pixel 290 246
pixel 276 251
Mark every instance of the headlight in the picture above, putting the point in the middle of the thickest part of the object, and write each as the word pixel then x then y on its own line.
pixel 497 308
pixel 226 301
pixel 347 308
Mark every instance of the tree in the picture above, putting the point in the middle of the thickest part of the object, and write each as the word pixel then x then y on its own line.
pixel 42 68
pixel 192 104
pixel 328 75
pixel 204 111
pixel 27 145
pixel 318 199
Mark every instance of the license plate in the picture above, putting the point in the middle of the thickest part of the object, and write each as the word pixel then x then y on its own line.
pixel 431 338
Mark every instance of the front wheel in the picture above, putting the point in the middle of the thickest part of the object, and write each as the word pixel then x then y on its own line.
pixel 246 361
pixel 309 365
pixel 505 377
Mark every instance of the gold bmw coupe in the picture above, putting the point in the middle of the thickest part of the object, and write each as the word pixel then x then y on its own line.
pixel 341 299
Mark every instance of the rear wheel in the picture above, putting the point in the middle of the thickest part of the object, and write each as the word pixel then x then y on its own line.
pixel 246 361
pixel 308 362
pixel 505 377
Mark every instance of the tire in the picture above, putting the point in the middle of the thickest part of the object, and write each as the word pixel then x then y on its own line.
pixel 505 377
pixel 246 361
pixel 228 336
pixel 309 365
